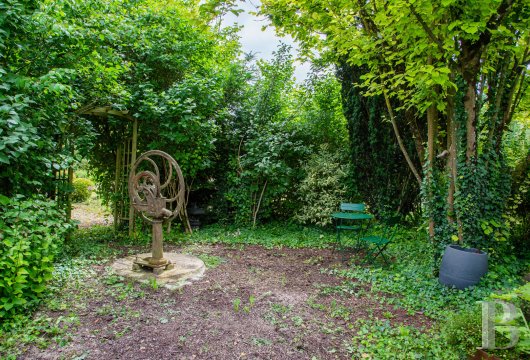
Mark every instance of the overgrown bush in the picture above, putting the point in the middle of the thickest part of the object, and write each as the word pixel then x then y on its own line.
pixel 263 150
pixel 462 331
pixel 31 231
pixel 323 188
pixel 82 189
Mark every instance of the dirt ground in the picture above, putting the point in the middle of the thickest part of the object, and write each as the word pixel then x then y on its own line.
pixel 90 214
pixel 255 304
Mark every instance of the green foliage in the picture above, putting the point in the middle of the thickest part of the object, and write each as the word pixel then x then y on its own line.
pixel 153 283
pixel 317 106
pixel 274 127
pixel 378 173
pixel 41 331
pixel 82 189
pixel 66 292
pixel 516 142
pixel 411 276
pixel 452 66
pixel 483 193
pixel 36 94
pixel 60 60
pixel 273 235
pixel 378 339
pixel 211 261
pixel 410 284
pixel 181 78
pixel 517 215
pixel 236 303
pixel 169 70
pixel 265 147
pixel 31 230
pixel 91 243
pixel 520 297
pixel 323 188
pixel 462 331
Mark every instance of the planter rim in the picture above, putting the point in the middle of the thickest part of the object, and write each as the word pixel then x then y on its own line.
pixel 467 250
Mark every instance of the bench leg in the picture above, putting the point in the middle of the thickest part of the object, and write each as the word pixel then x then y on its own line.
pixel 373 253
pixel 368 257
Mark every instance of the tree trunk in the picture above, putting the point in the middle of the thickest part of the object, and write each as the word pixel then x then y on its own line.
pixel 400 140
pixel 255 215
pixel 431 140
pixel 411 119
pixel 471 123
pixel 185 220
pixel 452 141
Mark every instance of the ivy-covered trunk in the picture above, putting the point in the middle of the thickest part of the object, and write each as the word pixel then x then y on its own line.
pixel 469 190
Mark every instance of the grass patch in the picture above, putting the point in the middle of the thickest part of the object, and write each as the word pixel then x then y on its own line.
pixel 269 236
pixel 211 261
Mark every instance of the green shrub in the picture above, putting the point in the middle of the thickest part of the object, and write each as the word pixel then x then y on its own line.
pixel 323 188
pixel 81 189
pixel 462 331
pixel 30 232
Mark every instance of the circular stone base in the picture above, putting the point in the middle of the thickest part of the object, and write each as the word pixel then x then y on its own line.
pixel 187 268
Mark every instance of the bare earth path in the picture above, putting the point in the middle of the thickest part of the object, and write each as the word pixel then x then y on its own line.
pixel 255 304
pixel 89 214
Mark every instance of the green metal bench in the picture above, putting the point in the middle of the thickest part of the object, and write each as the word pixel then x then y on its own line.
pixel 345 221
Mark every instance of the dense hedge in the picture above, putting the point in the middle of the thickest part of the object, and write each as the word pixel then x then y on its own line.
pixel 82 188
pixel 30 232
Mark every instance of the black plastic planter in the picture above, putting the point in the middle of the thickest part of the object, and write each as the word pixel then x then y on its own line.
pixel 462 267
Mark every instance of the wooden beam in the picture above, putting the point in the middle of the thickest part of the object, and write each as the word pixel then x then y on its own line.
pixel 104 111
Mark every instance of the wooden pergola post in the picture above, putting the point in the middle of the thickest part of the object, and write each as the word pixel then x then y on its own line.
pixel 133 160
pixel 117 178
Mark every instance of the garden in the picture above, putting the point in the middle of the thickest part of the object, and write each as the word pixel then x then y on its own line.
pixel 323 212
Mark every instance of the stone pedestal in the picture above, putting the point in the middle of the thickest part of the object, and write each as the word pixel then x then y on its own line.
pixel 182 270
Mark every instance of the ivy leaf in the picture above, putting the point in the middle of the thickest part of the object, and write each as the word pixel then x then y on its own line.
pixel 4 200
pixel 4 159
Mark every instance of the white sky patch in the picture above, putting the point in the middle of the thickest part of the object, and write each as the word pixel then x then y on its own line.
pixel 262 43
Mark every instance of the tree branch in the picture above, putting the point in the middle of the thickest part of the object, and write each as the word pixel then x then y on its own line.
pixel 427 29
pixel 399 140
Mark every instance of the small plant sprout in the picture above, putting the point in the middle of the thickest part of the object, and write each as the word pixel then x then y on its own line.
pixel 251 301
pixel 153 283
pixel 236 303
